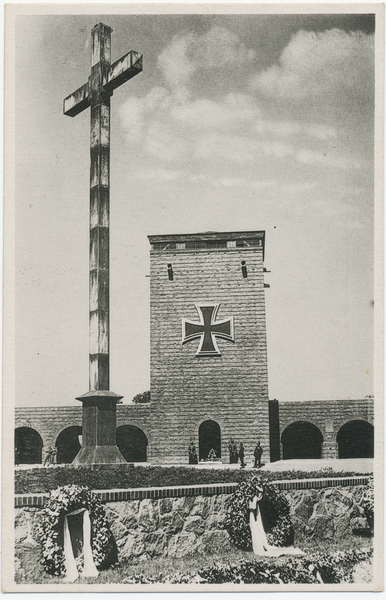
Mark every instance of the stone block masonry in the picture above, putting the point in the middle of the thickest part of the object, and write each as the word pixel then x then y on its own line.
pixel 147 527
pixel 229 388
pixel 329 416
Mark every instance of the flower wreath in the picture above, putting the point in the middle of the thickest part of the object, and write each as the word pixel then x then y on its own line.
pixel 50 528
pixel 275 514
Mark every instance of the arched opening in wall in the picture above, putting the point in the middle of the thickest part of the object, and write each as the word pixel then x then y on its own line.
pixel 28 446
pixel 301 440
pixel 209 438
pixel 132 443
pixel 67 444
pixel 356 440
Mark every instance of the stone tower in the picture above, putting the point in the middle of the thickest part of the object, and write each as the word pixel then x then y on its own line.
pixel 209 377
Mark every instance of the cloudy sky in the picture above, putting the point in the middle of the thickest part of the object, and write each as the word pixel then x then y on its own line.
pixel 238 122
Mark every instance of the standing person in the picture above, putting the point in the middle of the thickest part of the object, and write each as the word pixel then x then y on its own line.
pixel 192 453
pixel 233 458
pixel 257 453
pixel 230 450
pixel 241 455
pixel 47 460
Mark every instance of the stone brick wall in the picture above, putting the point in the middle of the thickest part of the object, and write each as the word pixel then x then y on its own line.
pixel 231 389
pixel 328 416
pixel 49 422
pixel 147 528
pixel 329 514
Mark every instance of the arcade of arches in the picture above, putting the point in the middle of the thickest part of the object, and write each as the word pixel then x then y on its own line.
pixel 300 440
pixel 318 429
pixel 304 440
pixel 131 441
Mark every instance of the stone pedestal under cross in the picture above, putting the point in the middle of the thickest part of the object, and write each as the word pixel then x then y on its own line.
pixel 99 404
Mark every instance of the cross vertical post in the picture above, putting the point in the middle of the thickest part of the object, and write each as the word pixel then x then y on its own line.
pixel 99 364
pixel 99 404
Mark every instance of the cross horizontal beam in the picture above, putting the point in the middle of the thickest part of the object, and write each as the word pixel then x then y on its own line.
pixel 123 69
pixel 77 101
pixel 118 73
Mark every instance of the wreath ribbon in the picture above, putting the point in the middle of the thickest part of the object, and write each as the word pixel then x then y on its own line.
pixel 89 568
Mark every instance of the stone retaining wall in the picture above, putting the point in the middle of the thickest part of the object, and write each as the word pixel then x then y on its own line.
pixel 179 526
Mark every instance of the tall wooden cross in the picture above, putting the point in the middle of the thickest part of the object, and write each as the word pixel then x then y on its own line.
pixel 99 404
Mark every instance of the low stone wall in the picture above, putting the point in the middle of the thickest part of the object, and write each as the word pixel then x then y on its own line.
pixel 170 526
pixel 329 514
pixel 177 526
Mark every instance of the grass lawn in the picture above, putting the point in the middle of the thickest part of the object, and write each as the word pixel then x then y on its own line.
pixel 159 569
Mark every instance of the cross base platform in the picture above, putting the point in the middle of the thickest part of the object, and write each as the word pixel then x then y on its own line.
pixel 99 422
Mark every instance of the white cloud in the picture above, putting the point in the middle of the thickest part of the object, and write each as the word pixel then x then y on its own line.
pixel 232 182
pixel 277 149
pixel 174 63
pixel 233 128
pixel 263 184
pixel 314 157
pixel 267 184
pixel 298 188
pixel 238 149
pixel 198 178
pixel 323 66
pixel 290 128
pixel 132 115
pixel 161 141
pixel 135 112
pixel 321 132
pixel 173 126
pixel 234 109
pixel 189 52
pixel 219 47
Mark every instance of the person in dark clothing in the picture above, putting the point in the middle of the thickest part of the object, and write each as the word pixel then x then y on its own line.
pixel 192 453
pixel 50 456
pixel 233 457
pixel 257 453
pixel 241 455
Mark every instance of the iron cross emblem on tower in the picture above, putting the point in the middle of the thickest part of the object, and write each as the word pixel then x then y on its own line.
pixel 207 330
